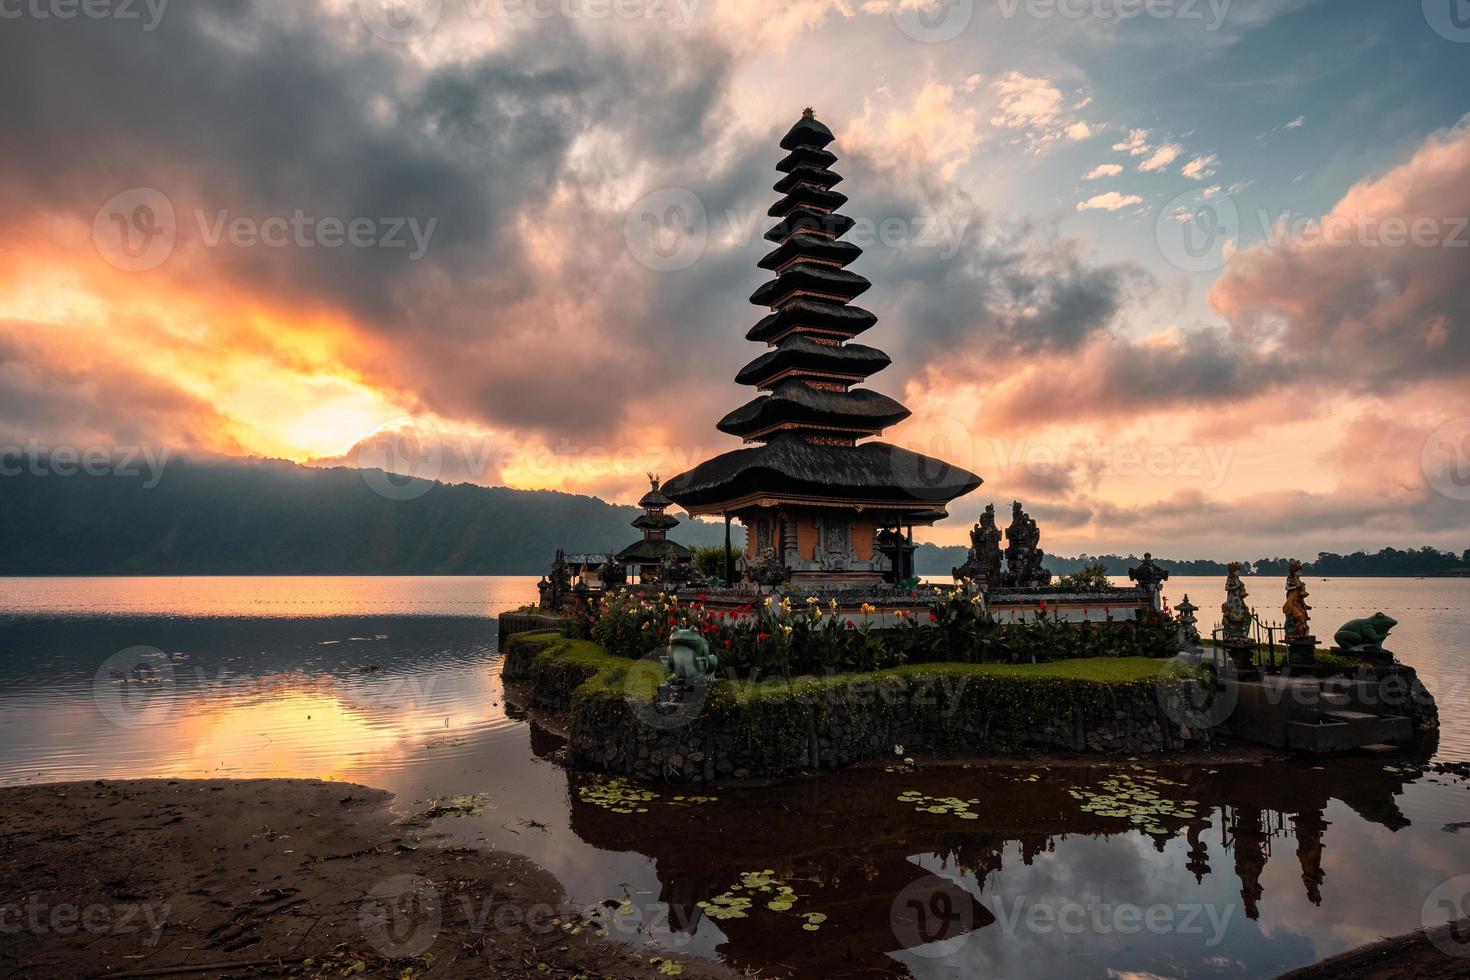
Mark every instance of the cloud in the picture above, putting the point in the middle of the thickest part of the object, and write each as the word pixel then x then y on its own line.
pixel 1026 102
pixel 1036 108
pixel 1351 294
pixel 1297 123
pixel 940 128
pixel 1111 201
pixel 1103 170
pixel 1135 145
pixel 1161 158
pixel 1201 167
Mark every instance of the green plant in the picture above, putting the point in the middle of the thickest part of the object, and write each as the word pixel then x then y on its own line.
pixel 1092 577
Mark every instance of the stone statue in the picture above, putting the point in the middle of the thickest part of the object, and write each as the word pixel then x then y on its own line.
pixel 983 564
pixel 1298 613
pixel 769 570
pixel 690 659
pixel 1235 615
pixel 1366 636
pixel 559 584
pixel 1023 552
pixel 672 571
pixel 614 574
pixel 1151 578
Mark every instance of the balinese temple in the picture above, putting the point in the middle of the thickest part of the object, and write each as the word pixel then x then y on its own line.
pixel 820 502
pixel 649 554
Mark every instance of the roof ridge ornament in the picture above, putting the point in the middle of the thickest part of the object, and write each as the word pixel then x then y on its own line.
pixel 808 113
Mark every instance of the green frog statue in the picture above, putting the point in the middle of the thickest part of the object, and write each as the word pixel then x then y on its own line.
pixel 690 659
pixel 1366 636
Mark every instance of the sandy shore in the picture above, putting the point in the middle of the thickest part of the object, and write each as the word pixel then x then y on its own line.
pixel 279 878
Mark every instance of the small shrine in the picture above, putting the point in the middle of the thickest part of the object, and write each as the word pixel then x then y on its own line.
pixel 822 506
pixel 655 557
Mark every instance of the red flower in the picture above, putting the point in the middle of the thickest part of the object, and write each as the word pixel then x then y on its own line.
pixel 762 637
pixel 933 618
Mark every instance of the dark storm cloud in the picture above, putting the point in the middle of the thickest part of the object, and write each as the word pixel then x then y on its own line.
pixel 263 108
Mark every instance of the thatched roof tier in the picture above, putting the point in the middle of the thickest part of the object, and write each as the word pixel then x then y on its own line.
pixel 806 173
pixel 852 362
pixel 651 552
pixel 654 498
pixel 808 197
pixel 811 221
pixel 811 247
pixel 815 316
pixel 805 156
pixel 791 469
pixel 655 522
pixel 808 133
pixel 810 279
pixel 811 409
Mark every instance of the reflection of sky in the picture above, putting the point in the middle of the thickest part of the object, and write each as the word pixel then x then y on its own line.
pixel 413 704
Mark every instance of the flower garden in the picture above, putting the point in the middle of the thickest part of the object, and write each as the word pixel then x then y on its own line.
pixel 791 637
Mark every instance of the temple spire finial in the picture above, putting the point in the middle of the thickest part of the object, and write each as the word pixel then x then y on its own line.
pixel 808 113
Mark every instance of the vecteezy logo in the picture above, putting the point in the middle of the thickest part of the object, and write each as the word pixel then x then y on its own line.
pixel 400 460
pixel 1451 900
pixel 1195 699
pixel 1450 19
pixel 1193 234
pixel 931 466
pixel 134 687
pixel 668 230
pixel 934 21
pixel 136 230
pixel 932 917
pixel 400 21
pixel 401 916
pixel 657 713
pixel 1446 459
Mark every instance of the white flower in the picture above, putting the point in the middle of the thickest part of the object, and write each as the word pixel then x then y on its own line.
pixel 898 750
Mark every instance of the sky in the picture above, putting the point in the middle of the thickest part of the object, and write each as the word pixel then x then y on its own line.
pixel 1187 276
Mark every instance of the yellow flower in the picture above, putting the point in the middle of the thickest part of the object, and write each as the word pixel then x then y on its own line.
pixel 869 609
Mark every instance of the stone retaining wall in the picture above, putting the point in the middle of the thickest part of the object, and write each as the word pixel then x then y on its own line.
pixel 734 733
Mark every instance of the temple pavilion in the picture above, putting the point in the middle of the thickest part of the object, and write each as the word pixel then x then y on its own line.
pixel 821 505
pixel 649 555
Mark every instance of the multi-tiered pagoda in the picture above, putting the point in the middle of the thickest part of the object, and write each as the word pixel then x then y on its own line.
pixel 820 505
pixel 656 554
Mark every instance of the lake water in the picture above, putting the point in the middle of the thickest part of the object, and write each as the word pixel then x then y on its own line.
pixel 395 683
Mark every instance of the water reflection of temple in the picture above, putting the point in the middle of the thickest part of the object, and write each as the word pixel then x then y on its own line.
pixel 851 849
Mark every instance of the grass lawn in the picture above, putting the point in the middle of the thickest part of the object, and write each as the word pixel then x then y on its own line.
pixel 640 678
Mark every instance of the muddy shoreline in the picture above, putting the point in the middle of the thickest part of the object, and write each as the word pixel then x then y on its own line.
pixel 227 878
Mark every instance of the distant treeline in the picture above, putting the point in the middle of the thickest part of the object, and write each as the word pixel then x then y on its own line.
pixel 268 517
pixel 277 518
pixel 934 560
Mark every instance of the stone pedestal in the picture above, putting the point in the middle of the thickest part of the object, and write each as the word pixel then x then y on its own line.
pixel 1301 655
pixel 1379 656
pixel 1242 655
